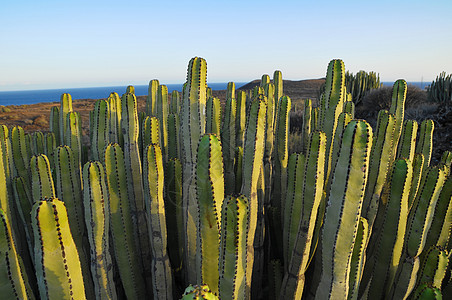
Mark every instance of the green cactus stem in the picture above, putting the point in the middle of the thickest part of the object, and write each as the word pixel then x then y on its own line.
pixel 232 264
pixel 407 143
pixel 397 108
pixel 65 109
pixel 213 116
pixel 425 141
pixel 427 291
pixel 20 155
pixel 253 154
pixel 114 102
pixel 121 227
pixel 155 208
pixel 151 100
pixel 210 194
pixel 385 246
pixel 97 221
pixel 240 121
pixel 342 214
pixel 42 180
pixel 12 280
pixel 57 261
pixel 434 266
pixel 54 123
pixel 173 137
pixel 100 129
pixel 228 143
pixel 175 102
pixel 358 258
pixel 150 131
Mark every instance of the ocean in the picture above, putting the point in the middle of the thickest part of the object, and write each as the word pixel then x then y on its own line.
pixel 53 95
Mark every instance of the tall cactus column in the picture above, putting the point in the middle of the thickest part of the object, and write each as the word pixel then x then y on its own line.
pixel 192 128
pixel 253 155
pixel 342 214
pixel 130 128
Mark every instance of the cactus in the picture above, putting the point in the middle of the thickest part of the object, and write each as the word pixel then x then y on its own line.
pixel 240 121
pixel 162 115
pixel 425 142
pixel 150 131
pixel 343 210
pixel 407 144
pixel 301 212
pixel 57 261
pixel 253 154
pixel 228 143
pixel 213 116
pixel 42 180
pixel 100 135
pixel 65 109
pixel 384 259
pixel 151 100
pixel 20 155
pixel 210 194
pixel 440 90
pixel 232 263
pixel 74 139
pixel 12 280
pixel 155 208
pixel 434 266
pixel 358 258
pixel 97 221
pixel 175 103
pixel 114 103
pixel 121 226
pixel 54 123
pixel 173 137
pixel 427 291
pixel 130 89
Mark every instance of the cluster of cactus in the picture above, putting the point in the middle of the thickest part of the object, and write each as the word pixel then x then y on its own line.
pixel 361 83
pixel 440 90
pixel 191 195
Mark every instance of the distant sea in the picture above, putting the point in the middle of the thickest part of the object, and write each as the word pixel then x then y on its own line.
pixel 38 96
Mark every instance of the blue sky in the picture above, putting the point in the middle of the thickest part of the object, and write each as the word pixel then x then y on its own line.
pixel 62 44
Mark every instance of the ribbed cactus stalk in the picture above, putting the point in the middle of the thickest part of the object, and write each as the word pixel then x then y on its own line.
pixel 175 102
pixel 97 221
pixel 198 292
pixel 132 159
pixel 68 188
pixel 12 280
pixel 343 210
pixel 54 123
pixel 23 204
pixel 305 191
pixel 114 102
pixel 232 264
pixel 418 170
pixel 192 128
pixel 49 145
pixel 307 129
pixel 65 109
pixel 121 226
pixel 387 242
pixel 42 180
pixel 381 157
pixel 130 89
pixel 240 121
pixel 20 155
pixel 228 142
pixel 440 229
pixel 238 168
pixel 422 211
pixel 425 141
pixel 151 100
pixel 434 266
pixel 74 138
pixel 155 208
pixel 5 172
pixel 331 105
pixel 405 279
pixel 230 90
pixel 278 82
pixel 282 153
pixel 253 154
pixel 57 261
pixel 265 79
pixel 100 129
pixel 407 142
pixel 173 137
pixel 269 141
pixel 358 258
pixel 210 194
pixel 174 213
pixel 162 114
pixel 399 90
pixel 150 131
pixel 37 143
pixel 213 116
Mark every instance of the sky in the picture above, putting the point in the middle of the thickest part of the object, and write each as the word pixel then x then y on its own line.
pixel 65 44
